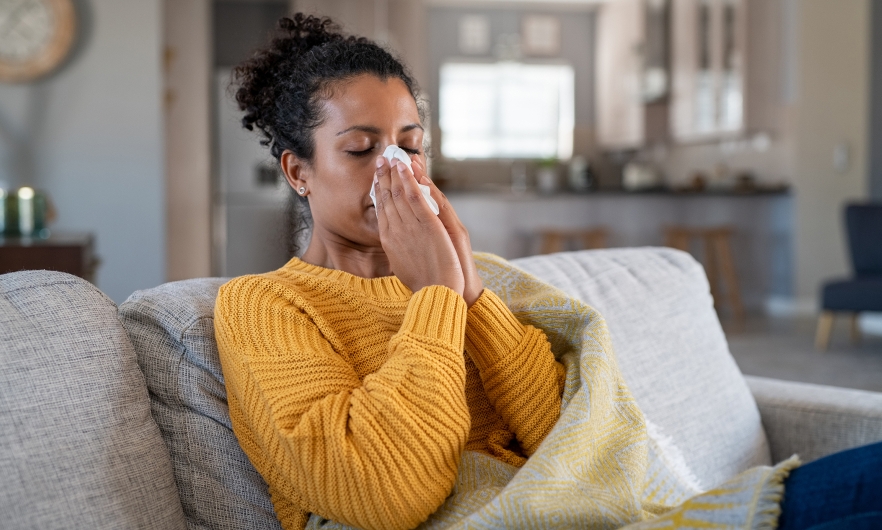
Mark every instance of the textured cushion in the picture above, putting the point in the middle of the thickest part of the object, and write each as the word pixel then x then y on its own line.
pixel 78 447
pixel 172 328
pixel 671 350
pixel 853 295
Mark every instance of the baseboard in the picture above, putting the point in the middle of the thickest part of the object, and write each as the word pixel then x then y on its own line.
pixel 789 307
pixel 871 323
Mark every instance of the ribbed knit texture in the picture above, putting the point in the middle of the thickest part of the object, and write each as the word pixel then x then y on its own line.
pixel 354 397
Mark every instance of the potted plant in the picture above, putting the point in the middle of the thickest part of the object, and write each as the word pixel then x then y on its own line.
pixel 546 175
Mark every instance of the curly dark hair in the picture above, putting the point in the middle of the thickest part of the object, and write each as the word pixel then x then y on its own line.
pixel 282 86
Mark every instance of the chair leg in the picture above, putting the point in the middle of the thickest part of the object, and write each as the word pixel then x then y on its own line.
pixel 676 238
pixel 712 272
pixel 601 237
pixel 854 329
pixel 593 238
pixel 825 326
pixel 730 279
pixel 552 242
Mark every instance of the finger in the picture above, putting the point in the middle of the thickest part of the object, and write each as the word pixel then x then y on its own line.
pixel 413 195
pixel 419 171
pixel 386 211
pixel 382 220
pixel 399 192
pixel 445 210
pixel 384 192
pixel 419 168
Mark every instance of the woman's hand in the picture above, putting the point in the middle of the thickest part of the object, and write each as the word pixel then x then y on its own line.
pixel 457 232
pixel 419 249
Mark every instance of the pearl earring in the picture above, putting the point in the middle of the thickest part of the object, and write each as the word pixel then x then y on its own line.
pixel 302 190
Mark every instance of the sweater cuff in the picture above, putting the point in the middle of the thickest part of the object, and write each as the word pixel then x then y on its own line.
pixel 437 312
pixel 491 330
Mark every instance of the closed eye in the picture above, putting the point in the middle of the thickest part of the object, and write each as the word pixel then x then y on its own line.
pixel 367 151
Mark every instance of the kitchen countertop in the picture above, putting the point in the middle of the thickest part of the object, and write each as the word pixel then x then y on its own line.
pixel 504 192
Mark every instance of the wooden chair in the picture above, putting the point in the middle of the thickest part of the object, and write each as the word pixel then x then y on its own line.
pixel 558 240
pixel 718 263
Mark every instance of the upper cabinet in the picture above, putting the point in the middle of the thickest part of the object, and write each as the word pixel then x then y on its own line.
pixel 670 70
pixel 619 68
pixel 708 59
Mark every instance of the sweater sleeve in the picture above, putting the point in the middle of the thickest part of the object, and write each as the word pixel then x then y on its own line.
pixel 522 379
pixel 382 452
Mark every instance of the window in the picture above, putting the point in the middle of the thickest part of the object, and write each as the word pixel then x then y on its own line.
pixel 506 110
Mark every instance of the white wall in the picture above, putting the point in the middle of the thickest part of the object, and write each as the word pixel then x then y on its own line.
pixel 832 106
pixel 96 132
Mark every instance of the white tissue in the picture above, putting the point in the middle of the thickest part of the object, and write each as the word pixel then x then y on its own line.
pixel 393 153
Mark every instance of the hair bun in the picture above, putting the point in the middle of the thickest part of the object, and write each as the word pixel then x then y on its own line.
pixel 304 32
pixel 260 77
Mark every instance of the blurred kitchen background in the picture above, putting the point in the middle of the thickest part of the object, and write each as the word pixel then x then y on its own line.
pixel 736 129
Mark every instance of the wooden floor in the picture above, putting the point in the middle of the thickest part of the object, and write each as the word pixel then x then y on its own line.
pixel 785 349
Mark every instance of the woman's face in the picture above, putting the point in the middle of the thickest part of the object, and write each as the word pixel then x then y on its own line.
pixel 363 116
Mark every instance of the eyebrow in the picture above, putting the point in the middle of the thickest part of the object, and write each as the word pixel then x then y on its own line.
pixel 376 130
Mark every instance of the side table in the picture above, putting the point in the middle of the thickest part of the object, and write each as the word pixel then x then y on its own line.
pixel 71 253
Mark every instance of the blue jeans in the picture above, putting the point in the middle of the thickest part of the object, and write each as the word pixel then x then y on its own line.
pixel 842 491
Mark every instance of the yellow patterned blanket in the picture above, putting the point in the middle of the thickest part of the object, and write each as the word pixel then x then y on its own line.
pixel 599 468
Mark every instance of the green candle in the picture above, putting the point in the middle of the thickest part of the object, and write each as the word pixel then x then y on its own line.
pixel 26 211
pixel 10 214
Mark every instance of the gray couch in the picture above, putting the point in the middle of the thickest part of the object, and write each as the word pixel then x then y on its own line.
pixel 116 417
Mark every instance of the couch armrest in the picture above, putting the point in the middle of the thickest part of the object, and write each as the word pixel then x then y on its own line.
pixel 815 420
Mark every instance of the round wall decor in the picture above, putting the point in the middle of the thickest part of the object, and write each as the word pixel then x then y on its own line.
pixel 35 37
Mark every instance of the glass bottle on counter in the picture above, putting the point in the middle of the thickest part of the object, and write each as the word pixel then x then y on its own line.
pixel 580 176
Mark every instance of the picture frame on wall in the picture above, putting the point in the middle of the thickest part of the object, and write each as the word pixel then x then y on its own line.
pixel 474 35
pixel 540 35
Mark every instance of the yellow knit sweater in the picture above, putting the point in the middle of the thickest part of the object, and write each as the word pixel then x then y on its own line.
pixel 353 397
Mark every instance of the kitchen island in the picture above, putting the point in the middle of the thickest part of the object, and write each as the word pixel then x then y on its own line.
pixel 507 224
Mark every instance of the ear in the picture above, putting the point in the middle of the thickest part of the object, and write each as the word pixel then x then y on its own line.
pixel 297 171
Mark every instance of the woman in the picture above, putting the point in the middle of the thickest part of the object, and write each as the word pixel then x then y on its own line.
pixel 360 375
pixel 383 395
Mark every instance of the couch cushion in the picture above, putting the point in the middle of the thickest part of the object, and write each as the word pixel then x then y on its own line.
pixel 78 446
pixel 671 350
pixel 172 328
